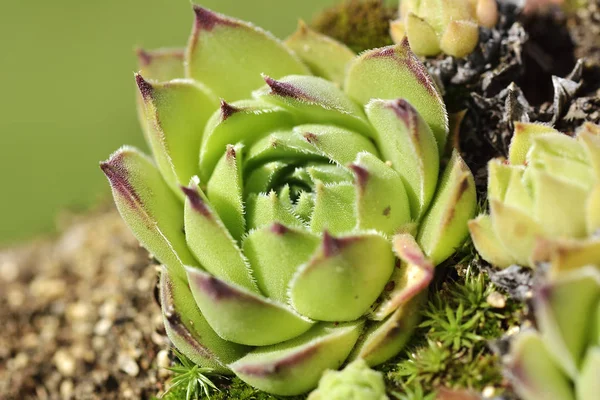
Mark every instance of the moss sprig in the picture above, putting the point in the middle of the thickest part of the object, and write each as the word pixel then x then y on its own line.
pixel 450 348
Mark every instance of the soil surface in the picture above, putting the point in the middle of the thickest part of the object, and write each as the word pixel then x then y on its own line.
pixel 79 316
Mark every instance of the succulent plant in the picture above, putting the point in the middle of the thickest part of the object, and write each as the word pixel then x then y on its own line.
pixel 355 382
pixel 546 196
pixel 561 359
pixel 299 218
pixel 448 26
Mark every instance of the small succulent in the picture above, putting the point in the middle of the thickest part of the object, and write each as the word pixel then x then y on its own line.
pixel 295 198
pixel 355 382
pixel 448 26
pixel 561 359
pixel 544 200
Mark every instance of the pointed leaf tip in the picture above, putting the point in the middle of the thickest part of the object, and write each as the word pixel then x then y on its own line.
pixel 361 173
pixel 196 200
pixel 286 89
pixel 206 19
pixel 227 110
pixel 117 176
pixel 403 110
pixel 332 245
pixel 279 229
pixel 144 86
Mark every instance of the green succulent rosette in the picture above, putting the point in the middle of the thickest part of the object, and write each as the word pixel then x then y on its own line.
pixel 294 198
pixel 561 359
pixel 448 26
pixel 355 382
pixel 544 200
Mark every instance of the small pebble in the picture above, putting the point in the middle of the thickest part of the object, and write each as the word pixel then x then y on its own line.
pixel 66 389
pixel 496 300
pixel 488 392
pixel 128 365
pixel 9 271
pixel 64 362
pixel 109 309
pixel 102 327
pixel 78 311
pixel 48 289
pixel 162 363
pixel 20 361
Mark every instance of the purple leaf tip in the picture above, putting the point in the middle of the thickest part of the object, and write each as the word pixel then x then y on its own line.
pixel 145 87
pixel 227 110
pixel 206 19
pixel 285 89
pixel 331 245
pixel 117 176
pixel 403 109
pixel 231 154
pixel 310 137
pixel 279 229
pixel 196 200
pixel 362 175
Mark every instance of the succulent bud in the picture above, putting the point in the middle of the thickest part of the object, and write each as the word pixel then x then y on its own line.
pixel 544 200
pixel 449 26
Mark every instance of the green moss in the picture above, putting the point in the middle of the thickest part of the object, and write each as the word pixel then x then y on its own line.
pixel 450 346
pixel 360 24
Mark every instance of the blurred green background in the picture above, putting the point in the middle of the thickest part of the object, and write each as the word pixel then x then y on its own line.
pixel 67 98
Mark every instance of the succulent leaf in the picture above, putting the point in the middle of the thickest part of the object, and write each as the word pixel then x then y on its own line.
pixel 422 37
pixel 562 217
pixel 336 144
pixel 314 100
pixel 407 142
pixel 384 339
pixel 215 49
pixel 444 227
pixel 381 200
pixel 460 38
pixel 533 372
pixel 161 65
pixel 173 130
pixel 566 332
pixel 410 277
pixel 516 230
pixel 188 329
pixel 325 56
pixel 242 316
pixel 394 72
pixel 150 209
pixel 211 242
pixel 487 243
pixel 245 122
pixel 340 282
pixel 275 252
pixel 295 366
pixel 264 209
pixel 331 211
pixel 522 140
pixel 587 385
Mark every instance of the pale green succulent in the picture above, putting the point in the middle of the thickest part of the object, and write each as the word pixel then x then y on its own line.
pixel 355 382
pixel 545 196
pixel 561 359
pixel 283 214
pixel 448 26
